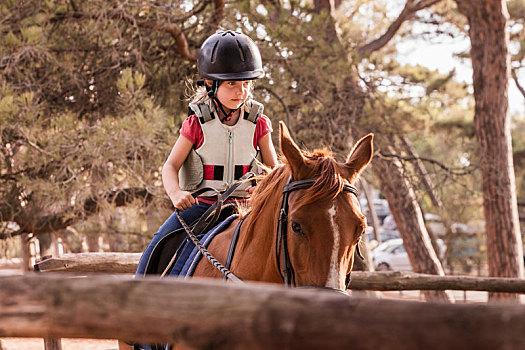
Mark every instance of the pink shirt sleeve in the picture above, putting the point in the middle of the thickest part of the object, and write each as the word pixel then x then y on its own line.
pixel 262 128
pixel 191 129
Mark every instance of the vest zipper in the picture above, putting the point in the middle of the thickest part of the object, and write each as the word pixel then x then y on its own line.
pixel 230 157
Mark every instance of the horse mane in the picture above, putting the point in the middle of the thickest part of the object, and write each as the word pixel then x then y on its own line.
pixel 322 166
pixel 329 182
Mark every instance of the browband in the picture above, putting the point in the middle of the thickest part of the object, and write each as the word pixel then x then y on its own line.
pixel 302 184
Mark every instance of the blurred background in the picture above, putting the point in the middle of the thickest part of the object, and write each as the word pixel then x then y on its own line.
pixel 92 95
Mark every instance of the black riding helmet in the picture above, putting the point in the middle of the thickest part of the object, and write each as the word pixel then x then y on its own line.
pixel 229 55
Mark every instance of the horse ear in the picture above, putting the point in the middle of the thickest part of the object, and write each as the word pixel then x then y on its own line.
pixel 358 158
pixel 290 150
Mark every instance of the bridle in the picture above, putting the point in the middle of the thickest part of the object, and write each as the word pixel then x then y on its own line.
pixel 286 269
pixel 285 266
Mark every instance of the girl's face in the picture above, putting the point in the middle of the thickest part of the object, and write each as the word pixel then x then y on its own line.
pixel 232 94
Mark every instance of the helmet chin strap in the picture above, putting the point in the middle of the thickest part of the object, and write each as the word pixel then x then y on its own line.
pixel 212 93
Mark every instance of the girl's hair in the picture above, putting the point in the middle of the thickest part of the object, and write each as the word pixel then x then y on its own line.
pixel 200 94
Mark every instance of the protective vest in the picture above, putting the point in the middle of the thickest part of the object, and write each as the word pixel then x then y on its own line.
pixel 227 152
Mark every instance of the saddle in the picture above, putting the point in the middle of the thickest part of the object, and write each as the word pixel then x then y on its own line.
pixel 173 242
pixel 163 252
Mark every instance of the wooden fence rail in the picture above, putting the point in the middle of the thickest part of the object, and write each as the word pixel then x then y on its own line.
pixel 215 315
pixel 398 280
pixel 380 281
pixel 90 262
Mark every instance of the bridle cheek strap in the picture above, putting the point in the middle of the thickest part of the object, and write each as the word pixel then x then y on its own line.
pixel 286 271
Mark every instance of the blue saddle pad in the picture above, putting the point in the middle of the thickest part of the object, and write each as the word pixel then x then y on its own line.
pixel 188 255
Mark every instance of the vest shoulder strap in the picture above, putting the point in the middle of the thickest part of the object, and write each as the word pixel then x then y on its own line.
pixel 202 110
pixel 253 110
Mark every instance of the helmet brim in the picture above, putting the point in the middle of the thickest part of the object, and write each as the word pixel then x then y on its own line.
pixel 249 75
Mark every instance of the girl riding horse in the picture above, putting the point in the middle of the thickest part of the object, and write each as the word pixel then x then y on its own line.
pixel 223 135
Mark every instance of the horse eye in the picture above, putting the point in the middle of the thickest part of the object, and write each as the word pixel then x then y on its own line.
pixel 296 228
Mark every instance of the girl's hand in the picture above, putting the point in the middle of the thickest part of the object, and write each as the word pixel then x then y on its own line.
pixel 182 200
pixel 250 189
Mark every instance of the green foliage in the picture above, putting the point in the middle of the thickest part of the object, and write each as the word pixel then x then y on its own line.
pixel 32 34
pixel 77 120
pixel 90 102
pixel 310 73
pixel 11 40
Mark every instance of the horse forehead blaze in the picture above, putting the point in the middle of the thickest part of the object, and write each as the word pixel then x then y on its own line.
pixel 342 212
pixel 322 253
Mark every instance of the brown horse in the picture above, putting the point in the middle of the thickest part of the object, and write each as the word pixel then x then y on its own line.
pixel 324 221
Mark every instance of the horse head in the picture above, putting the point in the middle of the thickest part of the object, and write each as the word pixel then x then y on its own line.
pixel 324 222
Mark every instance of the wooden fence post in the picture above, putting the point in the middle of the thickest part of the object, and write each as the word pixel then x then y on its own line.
pixel 52 344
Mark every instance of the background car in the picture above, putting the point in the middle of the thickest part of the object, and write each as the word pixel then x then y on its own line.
pixel 380 205
pixel 433 222
pixel 389 223
pixel 391 255
pixel 384 235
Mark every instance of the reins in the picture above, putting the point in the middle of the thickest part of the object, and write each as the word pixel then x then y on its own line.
pixel 203 225
pixel 226 272
pixel 281 243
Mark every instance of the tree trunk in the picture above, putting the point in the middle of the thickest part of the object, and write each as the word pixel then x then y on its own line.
pixel 422 172
pixel 330 30
pixel 409 219
pixel 491 63
pixel 93 243
pixel 24 251
pixel 396 188
pixel 371 208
